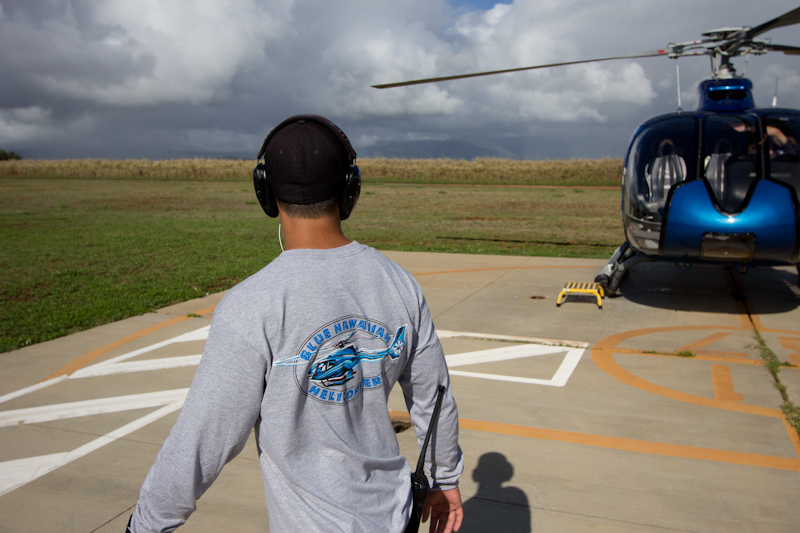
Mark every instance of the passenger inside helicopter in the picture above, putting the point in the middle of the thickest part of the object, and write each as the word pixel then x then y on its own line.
pixel 781 134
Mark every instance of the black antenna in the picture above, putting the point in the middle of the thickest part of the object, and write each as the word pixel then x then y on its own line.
pixel 775 97
pixel 434 419
pixel 419 481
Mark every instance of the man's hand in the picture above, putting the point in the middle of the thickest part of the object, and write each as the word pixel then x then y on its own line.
pixel 444 509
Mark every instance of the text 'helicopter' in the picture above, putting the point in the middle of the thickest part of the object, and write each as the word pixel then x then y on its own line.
pixel 718 184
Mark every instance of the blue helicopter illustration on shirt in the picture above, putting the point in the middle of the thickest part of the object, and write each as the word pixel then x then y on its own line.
pixel 340 366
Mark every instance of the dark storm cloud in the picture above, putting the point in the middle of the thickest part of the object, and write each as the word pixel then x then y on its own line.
pixel 60 44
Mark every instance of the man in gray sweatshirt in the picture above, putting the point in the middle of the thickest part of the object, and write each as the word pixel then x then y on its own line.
pixel 306 352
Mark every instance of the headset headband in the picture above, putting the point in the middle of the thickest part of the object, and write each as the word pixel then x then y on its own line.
pixel 318 120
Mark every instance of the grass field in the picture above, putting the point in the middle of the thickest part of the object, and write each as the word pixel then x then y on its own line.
pixel 77 251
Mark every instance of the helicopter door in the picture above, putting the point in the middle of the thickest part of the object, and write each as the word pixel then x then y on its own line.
pixel 659 158
pixel 656 164
pixel 730 162
pixel 781 133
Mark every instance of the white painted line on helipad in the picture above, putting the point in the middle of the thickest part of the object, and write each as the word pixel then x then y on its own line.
pixel 137 366
pixel 499 354
pixel 569 364
pixel 496 377
pixel 48 413
pixel 32 388
pixel 196 335
pixel 14 474
pixel 446 334
pixel 559 379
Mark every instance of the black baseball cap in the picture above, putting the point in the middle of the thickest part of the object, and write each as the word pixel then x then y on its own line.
pixel 306 159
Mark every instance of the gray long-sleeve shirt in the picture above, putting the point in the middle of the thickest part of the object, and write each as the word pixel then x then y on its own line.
pixel 307 351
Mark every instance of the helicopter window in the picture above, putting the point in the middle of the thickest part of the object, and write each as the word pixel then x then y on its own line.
pixel 781 148
pixel 728 94
pixel 664 171
pixel 657 162
pixel 730 159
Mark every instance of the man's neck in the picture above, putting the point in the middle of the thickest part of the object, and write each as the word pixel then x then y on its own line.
pixel 318 233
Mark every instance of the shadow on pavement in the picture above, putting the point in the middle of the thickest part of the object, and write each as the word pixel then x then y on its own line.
pixel 709 288
pixel 495 507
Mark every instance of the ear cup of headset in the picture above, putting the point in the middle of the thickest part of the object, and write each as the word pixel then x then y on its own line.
pixel 265 198
pixel 350 192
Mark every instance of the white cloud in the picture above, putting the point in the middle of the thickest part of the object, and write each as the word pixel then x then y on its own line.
pixel 21 125
pixel 29 115
pixel 788 85
pixel 122 53
pixel 509 36
pixel 14 129
pixel 364 141
pixel 198 47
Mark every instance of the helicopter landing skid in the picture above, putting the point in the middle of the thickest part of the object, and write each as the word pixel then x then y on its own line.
pixel 610 278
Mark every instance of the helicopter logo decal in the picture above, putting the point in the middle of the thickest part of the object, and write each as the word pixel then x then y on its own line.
pixel 344 358
pixel 339 367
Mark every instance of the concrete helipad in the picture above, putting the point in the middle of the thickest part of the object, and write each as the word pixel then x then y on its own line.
pixel 573 418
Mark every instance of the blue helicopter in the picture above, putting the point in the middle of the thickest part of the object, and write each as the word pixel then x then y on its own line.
pixel 719 184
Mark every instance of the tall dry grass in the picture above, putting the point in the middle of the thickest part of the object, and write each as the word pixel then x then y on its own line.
pixel 168 170
pixel 485 171
pixel 494 171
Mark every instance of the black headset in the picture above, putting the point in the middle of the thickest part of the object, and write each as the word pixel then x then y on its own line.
pixel 351 181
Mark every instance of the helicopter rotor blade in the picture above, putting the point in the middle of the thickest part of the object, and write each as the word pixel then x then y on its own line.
pixel 789 50
pixel 731 45
pixel 651 53
pixel 787 19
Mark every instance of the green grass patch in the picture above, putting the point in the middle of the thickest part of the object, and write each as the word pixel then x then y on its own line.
pixel 488 220
pixel 773 364
pixel 77 253
pixel 792 413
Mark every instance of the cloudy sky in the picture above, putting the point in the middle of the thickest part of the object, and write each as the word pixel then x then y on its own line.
pixel 162 79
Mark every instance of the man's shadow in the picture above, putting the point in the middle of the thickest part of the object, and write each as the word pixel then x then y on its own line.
pixel 495 507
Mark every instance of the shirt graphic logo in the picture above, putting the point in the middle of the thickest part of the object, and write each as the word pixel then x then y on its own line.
pixel 340 360
pixel 340 366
